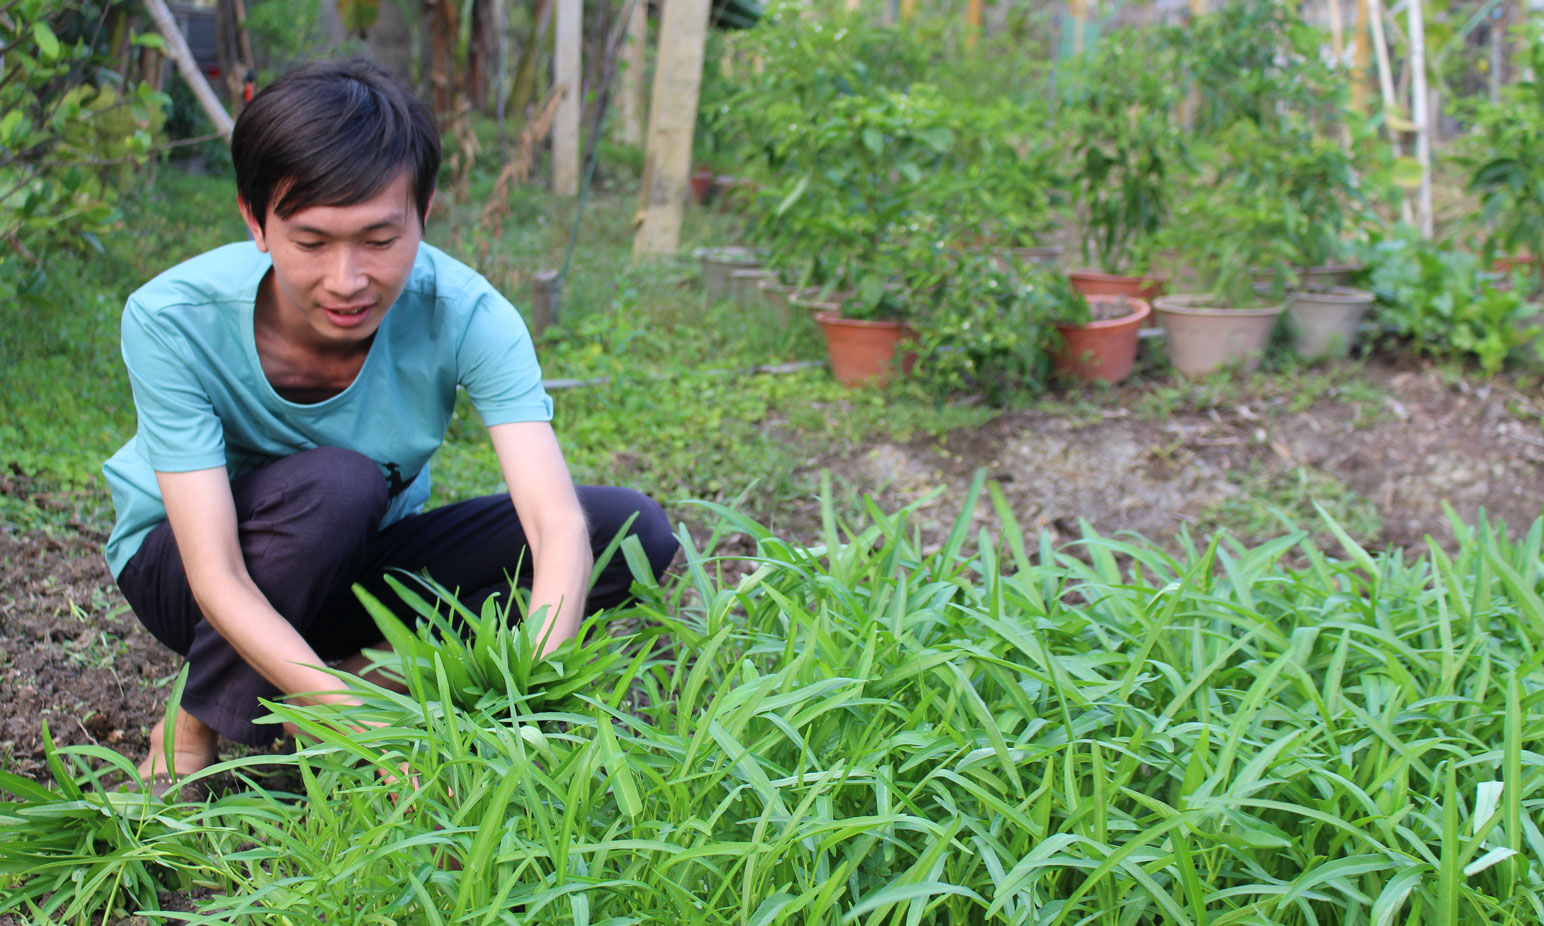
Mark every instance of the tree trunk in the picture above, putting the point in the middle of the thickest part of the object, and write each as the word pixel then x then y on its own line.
pixel 177 48
pixel 566 70
pixel 633 73
pixel 672 117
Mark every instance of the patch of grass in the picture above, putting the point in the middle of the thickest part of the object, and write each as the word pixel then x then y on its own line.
pixel 1271 500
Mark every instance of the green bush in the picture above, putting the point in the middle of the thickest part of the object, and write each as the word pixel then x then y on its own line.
pixel 1440 301
pixel 1504 151
pixel 70 133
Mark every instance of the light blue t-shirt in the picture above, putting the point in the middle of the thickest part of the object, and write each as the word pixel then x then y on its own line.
pixel 203 401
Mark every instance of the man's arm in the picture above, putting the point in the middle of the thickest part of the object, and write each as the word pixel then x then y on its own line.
pixel 555 529
pixel 202 514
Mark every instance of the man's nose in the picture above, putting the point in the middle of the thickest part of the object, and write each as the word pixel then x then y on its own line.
pixel 345 274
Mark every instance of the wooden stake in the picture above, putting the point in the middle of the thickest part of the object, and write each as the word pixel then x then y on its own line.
pixel 1359 59
pixel 565 76
pixel 1079 24
pixel 972 22
pixel 544 300
pixel 1421 115
pixel 633 58
pixel 177 47
pixel 908 10
pixel 1337 34
pixel 683 36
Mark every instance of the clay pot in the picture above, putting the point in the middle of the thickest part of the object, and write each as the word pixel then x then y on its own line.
pixel 866 352
pixel 812 302
pixel 778 296
pixel 718 263
pixel 1324 323
pixel 1094 283
pixel 704 184
pixel 1530 265
pixel 1102 351
pixel 1327 276
pixel 744 283
pixel 1201 337
pixel 1005 258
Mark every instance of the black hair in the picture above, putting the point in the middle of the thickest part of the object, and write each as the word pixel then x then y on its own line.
pixel 333 133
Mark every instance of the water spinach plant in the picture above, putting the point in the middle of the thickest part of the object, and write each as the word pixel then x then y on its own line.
pixel 968 728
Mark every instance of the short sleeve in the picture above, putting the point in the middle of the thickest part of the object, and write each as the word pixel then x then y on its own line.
pixel 496 362
pixel 178 429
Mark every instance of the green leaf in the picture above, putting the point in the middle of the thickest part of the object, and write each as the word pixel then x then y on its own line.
pixel 1406 173
pixel 873 141
pixel 148 40
pixel 358 15
pixel 48 43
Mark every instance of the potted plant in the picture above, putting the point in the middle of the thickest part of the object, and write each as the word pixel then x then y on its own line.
pixel 1231 230
pixel 1120 106
pixel 1097 335
pixel 1002 192
pixel 983 327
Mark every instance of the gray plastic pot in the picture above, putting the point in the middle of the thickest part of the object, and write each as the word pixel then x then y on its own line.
pixel 1201 337
pixel 1324 323
pixel 718 263
pixel 743 286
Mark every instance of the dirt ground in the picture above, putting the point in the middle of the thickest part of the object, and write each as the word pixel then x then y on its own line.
pixel 1383 449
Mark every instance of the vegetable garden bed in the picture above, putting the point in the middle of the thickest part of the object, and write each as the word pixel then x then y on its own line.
pixel 985 730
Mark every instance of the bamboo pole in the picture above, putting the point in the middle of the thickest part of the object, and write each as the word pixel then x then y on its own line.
pixel 565 76
pixel 177 47
pixel 633 58
pixel 501 88
pixel 1359 62
pixel 683 35
pixel 1079 10
pixel 972 22
pixel 908 10
pixel 1391 110
pixel 1420 114
pixel 1337 33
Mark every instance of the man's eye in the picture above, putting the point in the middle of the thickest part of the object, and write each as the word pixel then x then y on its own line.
pixel 383 243
pixel 308 245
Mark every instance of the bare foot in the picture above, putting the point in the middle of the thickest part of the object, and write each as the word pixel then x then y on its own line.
pixel 195 746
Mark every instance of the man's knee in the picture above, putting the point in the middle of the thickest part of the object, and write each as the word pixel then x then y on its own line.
pixel 339 485
pixel 609 507
pixel 652 528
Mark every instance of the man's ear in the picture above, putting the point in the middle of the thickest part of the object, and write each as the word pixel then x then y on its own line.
pixel 253 229
pixel 428 210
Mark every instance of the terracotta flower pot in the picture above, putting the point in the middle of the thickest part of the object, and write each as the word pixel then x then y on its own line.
pixel 1005 258
pixel 704 184
pixel 1202 337
pixel 811 301
pixel 1094 283
pixel 1102 351
pixel 1324 322
pixel 1527 263
pixel 718 263
pixel 866 352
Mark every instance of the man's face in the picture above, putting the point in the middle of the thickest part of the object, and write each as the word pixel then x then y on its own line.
pixel 337 269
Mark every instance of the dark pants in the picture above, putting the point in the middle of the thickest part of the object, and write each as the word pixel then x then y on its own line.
pixel 309 529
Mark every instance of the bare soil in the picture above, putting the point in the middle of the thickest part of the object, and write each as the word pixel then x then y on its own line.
pixel 1386 446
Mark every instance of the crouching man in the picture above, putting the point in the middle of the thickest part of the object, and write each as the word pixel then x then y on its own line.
pixel 291 391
